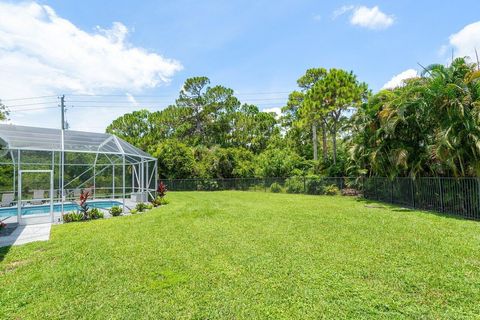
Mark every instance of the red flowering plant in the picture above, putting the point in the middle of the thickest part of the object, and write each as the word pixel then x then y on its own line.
pixel 161 192
pixel 161 189
pixel 83 204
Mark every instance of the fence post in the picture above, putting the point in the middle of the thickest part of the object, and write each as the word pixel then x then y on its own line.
pixel 412 189
pixel 478 197
pixel 391 191
pixel 441 193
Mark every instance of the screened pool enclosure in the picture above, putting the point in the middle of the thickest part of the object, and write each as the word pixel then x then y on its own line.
pixel 43 171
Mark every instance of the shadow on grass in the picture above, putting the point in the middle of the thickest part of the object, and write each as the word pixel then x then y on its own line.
pixel 3 252
pixel 377 204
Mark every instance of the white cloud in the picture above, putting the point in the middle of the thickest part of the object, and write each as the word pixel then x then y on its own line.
pixel 42 53
pixel 276 110
pixel 400 78
pixel 466 41
pixel 317 17
pixel 370 18
pixel 342 10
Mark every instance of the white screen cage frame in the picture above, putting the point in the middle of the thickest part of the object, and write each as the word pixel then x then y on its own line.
pixel 24 148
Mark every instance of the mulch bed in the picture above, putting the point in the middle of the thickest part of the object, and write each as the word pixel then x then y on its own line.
pixel 350 192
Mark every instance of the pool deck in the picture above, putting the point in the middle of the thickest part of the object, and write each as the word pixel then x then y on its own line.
pixel 35 231
pixel 26 234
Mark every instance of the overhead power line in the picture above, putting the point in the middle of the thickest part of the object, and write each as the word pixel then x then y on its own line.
pixel 31 109
pixel 28 98
pixel 29 104
pixel 175 94
pixel 157 102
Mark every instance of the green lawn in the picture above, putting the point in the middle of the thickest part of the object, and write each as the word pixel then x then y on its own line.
pixel 249 255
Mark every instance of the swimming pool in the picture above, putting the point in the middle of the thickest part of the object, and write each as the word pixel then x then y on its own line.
pixel 57 207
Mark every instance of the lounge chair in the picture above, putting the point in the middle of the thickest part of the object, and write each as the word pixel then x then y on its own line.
pixel 7 199
pixel 53 194
pixel 38 196
pixel 77 193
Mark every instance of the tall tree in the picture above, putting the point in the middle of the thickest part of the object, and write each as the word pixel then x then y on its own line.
pixel 335 92
pixel 132 127
pixel 428 126
pixel 307 112
pixel 253 129
pixel 4 111
pixel 192 97
pixel 211 110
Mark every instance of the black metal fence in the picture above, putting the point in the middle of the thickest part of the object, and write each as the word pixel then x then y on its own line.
pixel 457 196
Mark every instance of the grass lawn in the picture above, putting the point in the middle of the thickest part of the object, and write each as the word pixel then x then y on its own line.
pixel 249 255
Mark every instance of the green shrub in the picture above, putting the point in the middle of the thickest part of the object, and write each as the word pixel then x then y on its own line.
pixel 95 213
pixel 72 217
pixel 257 187
pixel 134 211
pixel 157 201
pixel 207 185
pixel 275 187
pixel 115 211
pixel 314 184
pixel 331 190
pixel 294 185
pixel 149 206
pixel 141 207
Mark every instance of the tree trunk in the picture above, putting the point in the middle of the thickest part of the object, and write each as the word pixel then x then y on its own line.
pixel 314 141
pixel 334 138
pixel 324 142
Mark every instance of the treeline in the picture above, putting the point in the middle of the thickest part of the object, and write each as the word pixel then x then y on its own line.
pixel 428 127
pixel 332 125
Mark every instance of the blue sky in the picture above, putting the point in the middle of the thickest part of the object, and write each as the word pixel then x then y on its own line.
pixel 264 46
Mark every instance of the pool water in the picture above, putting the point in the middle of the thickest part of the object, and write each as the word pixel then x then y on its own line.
pixel 57 207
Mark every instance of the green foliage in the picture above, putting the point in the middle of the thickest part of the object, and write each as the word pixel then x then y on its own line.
pixel 132 127
pixel 277 163
pixel 226 162
pixel 295 185
pixel 116 211
pixel 275 187
pixel 159 201
pixel 331 190
pixel 315 184
pixel 95 213
pixel 133 211
pixel 207 185
pixel 175 160
pixel 429 126
pixel 141 207
pixel 72 217
pixel 4 112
